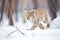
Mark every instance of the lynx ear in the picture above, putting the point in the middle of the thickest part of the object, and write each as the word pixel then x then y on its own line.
pixel 26 10
pixel 33 9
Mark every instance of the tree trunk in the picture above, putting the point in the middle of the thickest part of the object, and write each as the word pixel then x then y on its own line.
pixel 10 11
pixel 2 10
pixel 53 8
pixel 16 10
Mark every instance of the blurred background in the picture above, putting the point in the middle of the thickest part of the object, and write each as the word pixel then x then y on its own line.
pixel 15 7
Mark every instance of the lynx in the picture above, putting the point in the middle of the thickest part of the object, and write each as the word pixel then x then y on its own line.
pixel 39 17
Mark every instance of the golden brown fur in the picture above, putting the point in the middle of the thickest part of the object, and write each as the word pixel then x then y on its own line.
pixel 38 16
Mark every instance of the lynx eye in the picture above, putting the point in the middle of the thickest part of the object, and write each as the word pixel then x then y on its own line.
pixel 44 21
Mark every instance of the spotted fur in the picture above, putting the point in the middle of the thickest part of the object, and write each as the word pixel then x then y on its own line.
pixel 39 18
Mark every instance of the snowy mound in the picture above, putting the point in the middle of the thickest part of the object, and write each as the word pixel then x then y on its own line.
pixel 55 24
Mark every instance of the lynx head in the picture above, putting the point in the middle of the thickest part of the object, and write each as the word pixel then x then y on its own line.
pixel 29 14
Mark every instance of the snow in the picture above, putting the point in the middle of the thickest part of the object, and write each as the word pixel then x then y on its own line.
pixel 55 23
pixel 53 33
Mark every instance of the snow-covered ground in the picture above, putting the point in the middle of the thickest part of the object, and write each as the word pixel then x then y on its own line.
pixel 53 33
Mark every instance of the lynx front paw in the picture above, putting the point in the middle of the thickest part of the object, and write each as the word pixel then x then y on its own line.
pixel 48 24
pixel 42 28
pixel 33 28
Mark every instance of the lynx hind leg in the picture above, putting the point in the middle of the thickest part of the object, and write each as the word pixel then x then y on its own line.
pixel 34 26
pixel 41 26
pixel 48 21
pixel 48 24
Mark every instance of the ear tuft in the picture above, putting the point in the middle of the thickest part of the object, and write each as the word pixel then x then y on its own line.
pixel 33 8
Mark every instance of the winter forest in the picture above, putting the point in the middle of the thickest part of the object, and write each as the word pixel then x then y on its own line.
pixel 29 19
